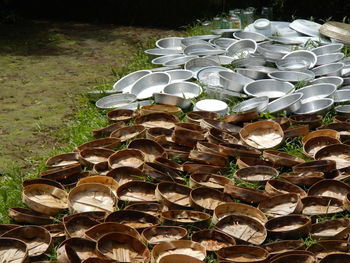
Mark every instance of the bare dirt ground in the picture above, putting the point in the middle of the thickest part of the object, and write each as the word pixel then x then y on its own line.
pixel 44 66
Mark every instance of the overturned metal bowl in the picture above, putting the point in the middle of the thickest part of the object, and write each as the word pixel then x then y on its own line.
pixel 332 69
pixel 343 110
pixel 125 83
pixel 149 84
pixel 292 76
pixel 170 42
pixel 288 103
pixel 317 91
pixel 154 52
pixel 163 98
pixel 268 87
pixel 186 90
pixel 163 59
pixel 254 104
pixel 233 81
pixel 115 101
pixel 319 106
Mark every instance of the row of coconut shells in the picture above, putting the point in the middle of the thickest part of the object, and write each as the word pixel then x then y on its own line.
pixel 170 202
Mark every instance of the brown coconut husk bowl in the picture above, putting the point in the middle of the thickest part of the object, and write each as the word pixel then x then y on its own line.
pixel 171 109
pixel 303 178
pixel 323 248
pixel 243 162
pixel 342 127
pixel 106 131
pixel 281 158
pixel 331 229
pixel 336 258
pixel 217 136
pixel 284 122
pixel 71 181
pixel 232 208
pixel 324 166
pixel 62 160
pixel 128 157
pixel 238 150
pixel 208 158
pixel 136 219
pixel 159 135
pixel 208 147
pixel 61 173
pixel 157 119
pixel 157 234
pixel 45 198
pixel 149 148
pixel 313 145
pixel 289 226
pixel 129 132
pixel 76 249
pixel 42 181
pixel 243 228
pixel 242 117
pixel 168 164
pixel 192 168
pixel 107 143
pixel 96 232
pixel 100 168
pixel 187 137
pixel 185 218
pixel 252 196
pixel 77 226
pixel 13 250
pixel 243 253
pixel 98 216
pixel 279 247
pixel 123 248
pixel 313 120
pixel 136 191
pixel 340 153
pixel 57 233
pixel 37 239
pixel 91 197
pixel 209 180
pixel 262 134
pixel 126 174
pixel 90 157
pixel 173 195
pixel 179 247
pixel 98 179
pixel 179 258
pixel 330 188
pixel 281 205
pixel 123 115
pixel 153 209
pixel 207 124
pixel 297 131
pixel 99 260
pixel 177 151
pixel 207 199
pixel 324 132
pixel 28 216
pixel 296 256
pixel 160 173
pixel 6 227
pixel 213 240
pixel 196 116
pixel 256 174
pixel 276 187
pixel 321 205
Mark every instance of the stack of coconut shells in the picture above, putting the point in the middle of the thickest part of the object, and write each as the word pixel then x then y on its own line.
pixel 150 188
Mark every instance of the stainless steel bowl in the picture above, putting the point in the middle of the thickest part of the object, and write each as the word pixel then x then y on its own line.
pixel 114 101
pixel 135 105
pixel 179 61
pixel 170 42
pixel 329 58
pixel 338 81
pixel 241 49
pixel 186 90
pixel 343 110
pixel 206 37
pixel 210 75
pixel 223 42
pixel 163 98
pixel 163 59
pixel 222 94
pixel 326 49
pixel 317 91
pixel 163 69
pixel 333 69
pixel 192 41
pixel 342 96
pixel 197 49
pixel 307 56
pixel 292 76
pixel 125 83
pixel 197 64
pixel 346 81
pixel 268 87
pixel 296 63
pixel 250 61
pixel 156 52
pixel 149 84
pixel 319 106
pixel 226 32
pixel 221 59
pixel 273 52
pixel 233 81
pixel 257 37
pixel 178 75
pixel 254 104
pixel 289 103
pixel 252 73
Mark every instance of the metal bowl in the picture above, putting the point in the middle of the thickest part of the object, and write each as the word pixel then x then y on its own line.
pixel 149 84
pixel 178 75
pixel 338 81
pixel 223 42
pixel 162 69
pixel 206 37
pixel 252 73
pixel 179 61
pixel 292 76
pixel 197 64
pixel 220 59
pixel 241 48
pixel 114 101
pixel 125 83
pixel 341 96
pixel 163 98
pixel 163 59
pixel 292 64
pixel 136 105
pixel 192 41
pixel 317 91
pixel 307 56
pixel 170 42
pixel 186 90
pixel 225 32
pixel 197 48
pixel 329 58
pixel 288 103
pixel 343 110
pixel 210 75
pixel 257 37
pixel 97 94
pixel 250 61
pixel 233 81
pixel 326 49
pixel 254 104
pixel 319 106
pixel 156 52
pixel 219 93
pixel 346 81
pixel 268 87
pixel 273 52
pixel 332 69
